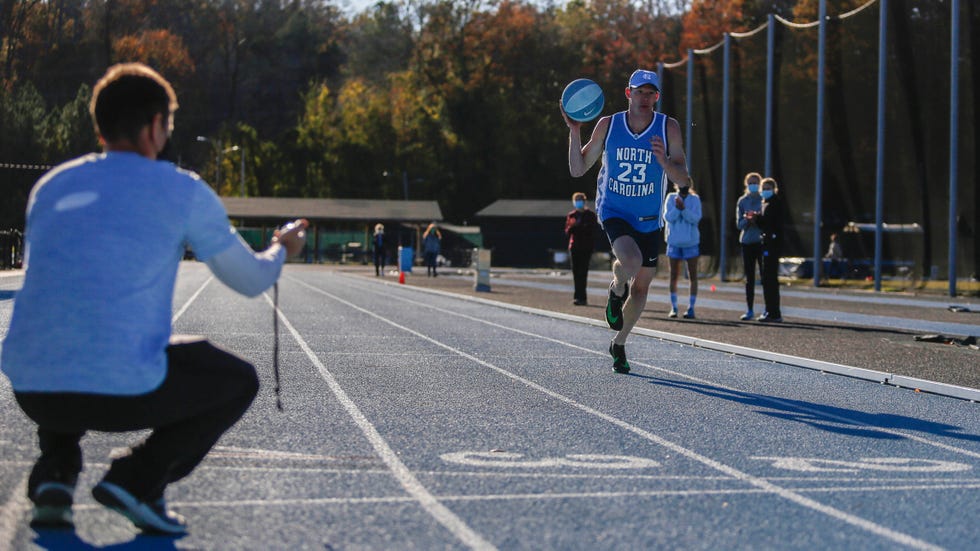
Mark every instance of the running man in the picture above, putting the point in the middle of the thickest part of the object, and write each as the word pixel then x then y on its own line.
pixel 640 149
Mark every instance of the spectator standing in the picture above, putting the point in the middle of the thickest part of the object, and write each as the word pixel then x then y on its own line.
pixel 834 250
pixel 835 255
pixel 750 237
pixel 581 225
pixel 682 213
pixel 431 247
pixel 89 345
pixel 378 246
pixel 770 221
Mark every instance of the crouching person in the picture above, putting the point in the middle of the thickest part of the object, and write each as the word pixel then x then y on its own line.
pixel 89 346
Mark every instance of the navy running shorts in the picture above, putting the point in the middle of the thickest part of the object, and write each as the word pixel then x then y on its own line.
pixel 649 243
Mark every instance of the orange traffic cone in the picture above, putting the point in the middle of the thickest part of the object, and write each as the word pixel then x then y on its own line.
pixel 401 277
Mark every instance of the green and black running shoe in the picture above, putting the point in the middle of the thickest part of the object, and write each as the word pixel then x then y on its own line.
pixel 614 308
pixel 52 505
pixel 618 353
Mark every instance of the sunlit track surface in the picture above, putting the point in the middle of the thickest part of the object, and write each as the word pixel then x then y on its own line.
pixel 420 421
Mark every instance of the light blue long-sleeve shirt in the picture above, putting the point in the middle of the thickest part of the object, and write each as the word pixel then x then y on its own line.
pixel 682 224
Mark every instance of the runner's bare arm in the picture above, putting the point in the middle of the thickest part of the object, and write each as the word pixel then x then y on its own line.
pixel 673 161
pixel 581 158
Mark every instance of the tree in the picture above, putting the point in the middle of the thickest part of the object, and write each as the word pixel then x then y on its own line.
pixel 22 110
pixel 378 42
pixel 708 20
pixel 66 132
pixel 159 49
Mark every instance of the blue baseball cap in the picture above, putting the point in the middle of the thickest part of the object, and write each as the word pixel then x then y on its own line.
pixel 642 77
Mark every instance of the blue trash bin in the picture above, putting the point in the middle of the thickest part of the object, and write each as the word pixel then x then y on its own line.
pixel 406 257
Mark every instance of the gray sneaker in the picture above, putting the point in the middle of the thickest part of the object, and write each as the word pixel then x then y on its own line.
pixel 147 516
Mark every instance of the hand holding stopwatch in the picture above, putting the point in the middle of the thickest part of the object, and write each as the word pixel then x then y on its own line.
pixel 292 236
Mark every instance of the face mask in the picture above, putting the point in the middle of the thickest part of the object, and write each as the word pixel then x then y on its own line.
pixel 768 193
pixel 753 188
pixel 579 204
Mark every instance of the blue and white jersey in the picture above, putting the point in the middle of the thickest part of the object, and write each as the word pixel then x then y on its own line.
pixel 632 184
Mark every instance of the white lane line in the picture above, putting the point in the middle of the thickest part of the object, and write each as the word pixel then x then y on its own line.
pixel 928 483
pixel 11 512
pixel 252 503
pixel 762 484
pixel 402 474
pixel 189 301
pixel 784 404
pixel 891 379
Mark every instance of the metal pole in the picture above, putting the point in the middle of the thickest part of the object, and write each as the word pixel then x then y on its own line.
pixel 725 116
pixel 660 74
pixel 770 87
pixel 880 160
pixel 242 179
pixel 954 135
pixel 818 175
pixel 221 156
pixel 688 139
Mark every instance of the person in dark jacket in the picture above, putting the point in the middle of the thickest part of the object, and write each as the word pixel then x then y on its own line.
pixel 378 245
pixel 770 221
pixel 431 247
pixel 580 228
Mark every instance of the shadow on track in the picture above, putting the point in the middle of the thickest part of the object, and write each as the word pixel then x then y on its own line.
pixel 68 539
pixel 834 419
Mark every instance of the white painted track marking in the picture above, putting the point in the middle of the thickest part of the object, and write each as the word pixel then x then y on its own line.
pixel 402 474
pixel 760 397
pixel 795 497
pixel 11 513
pixel 891 464
pixel 514 461
pixel 191 300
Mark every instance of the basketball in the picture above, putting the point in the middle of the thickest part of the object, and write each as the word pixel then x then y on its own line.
pixel 582 100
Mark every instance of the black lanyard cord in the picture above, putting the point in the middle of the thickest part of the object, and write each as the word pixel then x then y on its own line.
pixel 275 345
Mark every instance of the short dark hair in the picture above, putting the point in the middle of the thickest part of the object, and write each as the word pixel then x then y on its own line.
pixel 127 98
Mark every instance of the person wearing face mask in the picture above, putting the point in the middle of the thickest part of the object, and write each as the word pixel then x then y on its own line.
pixel 580 229
pixel 682 213
pixel 770 221
pixel 750 237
